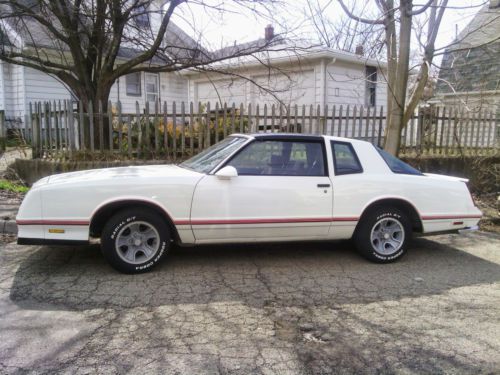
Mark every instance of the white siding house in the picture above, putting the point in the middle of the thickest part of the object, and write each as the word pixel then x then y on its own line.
pixel 320 77
pixel 20 86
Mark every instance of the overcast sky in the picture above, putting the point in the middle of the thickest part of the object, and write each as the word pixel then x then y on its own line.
pixel 220 29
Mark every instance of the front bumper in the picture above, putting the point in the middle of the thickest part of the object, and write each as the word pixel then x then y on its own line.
pixel 43 241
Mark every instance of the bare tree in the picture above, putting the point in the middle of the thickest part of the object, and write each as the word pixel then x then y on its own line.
pixel 397 19
pixel 89 44
pixel 344 33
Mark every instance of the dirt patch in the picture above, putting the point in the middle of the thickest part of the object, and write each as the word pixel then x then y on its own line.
pixel 7 238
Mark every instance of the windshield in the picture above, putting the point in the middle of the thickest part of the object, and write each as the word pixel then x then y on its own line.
pixel 208 159
pixel 396 165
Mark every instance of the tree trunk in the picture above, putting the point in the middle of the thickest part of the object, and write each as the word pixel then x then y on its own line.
pixel 93 99
pixel 397 88
pixel 393 131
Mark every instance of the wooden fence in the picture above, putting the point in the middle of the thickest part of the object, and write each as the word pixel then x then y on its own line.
pixel 177 130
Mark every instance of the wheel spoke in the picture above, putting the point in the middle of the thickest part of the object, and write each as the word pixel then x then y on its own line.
pixel 149 233
pixel 148 250
pixel 130 254
pixel 122 241
pixel 134 228
pixel 394 244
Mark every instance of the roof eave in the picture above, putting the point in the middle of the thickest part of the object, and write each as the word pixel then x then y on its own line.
pixel 304 56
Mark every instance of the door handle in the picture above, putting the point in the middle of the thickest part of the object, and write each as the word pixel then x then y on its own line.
pixel 322 186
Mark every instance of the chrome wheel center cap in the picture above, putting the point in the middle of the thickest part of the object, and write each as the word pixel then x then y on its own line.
pixel 137 242
pixel 386 236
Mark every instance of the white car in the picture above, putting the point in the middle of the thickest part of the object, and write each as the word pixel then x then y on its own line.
pixel 248 188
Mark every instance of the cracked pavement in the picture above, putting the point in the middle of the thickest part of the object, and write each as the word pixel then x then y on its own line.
pixel 310 308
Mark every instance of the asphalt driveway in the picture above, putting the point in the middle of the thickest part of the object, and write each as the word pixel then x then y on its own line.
pixel 312 308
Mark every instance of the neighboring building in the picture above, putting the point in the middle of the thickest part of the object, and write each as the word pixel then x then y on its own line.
pixel 470 70
pixel 292 75
pixel 20 85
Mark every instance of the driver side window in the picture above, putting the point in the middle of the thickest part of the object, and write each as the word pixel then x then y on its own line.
pixel 280 158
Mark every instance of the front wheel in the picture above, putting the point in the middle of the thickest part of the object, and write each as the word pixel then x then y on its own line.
pixel 135 240
pixel 382 235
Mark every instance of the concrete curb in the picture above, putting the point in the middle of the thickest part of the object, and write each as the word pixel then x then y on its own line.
pixel 8 227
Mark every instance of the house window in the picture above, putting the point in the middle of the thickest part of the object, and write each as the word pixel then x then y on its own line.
pixel 133 82
pixel 151 87
pixel 371 86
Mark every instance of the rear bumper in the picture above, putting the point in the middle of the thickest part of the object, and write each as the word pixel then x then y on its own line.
pixel 469 229
pixel 449 231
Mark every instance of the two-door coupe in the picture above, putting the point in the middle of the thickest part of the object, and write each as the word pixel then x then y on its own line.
pixel 248 188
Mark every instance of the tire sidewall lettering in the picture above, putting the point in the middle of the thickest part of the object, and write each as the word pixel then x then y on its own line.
pixel 120 225
pixel 156 258
pixel 388 214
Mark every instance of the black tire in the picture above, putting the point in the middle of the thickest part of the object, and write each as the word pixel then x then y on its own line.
pixel 150 228
pixel 382 249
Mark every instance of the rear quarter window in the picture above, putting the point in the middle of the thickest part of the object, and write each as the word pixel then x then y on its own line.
pixel 345 160
pixel 396 165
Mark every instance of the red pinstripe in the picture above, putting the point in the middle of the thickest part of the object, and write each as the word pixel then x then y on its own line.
pixel 244 221
pixel 443 217
pixel 266 221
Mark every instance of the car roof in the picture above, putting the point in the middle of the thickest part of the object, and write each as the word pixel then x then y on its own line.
pixel 296 136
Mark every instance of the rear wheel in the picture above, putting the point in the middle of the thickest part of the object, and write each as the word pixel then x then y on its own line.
pixel 382 235
pixel 135 240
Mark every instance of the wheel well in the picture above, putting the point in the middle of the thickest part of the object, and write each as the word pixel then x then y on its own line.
pixel 401 205
pixel 104 213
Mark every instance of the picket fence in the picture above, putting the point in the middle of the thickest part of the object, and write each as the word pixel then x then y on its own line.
pixel 177 130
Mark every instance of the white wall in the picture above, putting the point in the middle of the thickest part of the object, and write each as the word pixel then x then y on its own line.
pixel 293 86
pixel 349 81
pixel 20 86
pixel 221 91
pixel 314 84
pixel 40 86
pixel 13 90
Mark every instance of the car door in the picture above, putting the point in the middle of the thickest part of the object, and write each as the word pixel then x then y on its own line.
pixel 282 192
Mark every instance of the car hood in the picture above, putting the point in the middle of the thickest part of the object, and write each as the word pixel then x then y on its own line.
pixel 142 171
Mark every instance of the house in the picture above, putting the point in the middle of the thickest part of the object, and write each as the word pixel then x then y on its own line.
pixel 20 85
pixel 470 70
pixel 292 75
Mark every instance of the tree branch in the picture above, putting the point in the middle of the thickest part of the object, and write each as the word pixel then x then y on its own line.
pixel 359 19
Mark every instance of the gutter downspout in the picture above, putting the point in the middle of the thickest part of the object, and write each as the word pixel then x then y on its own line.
pixel 322 92
pixel 324 80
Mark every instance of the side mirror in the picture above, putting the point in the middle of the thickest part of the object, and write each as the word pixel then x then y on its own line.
pixel 227 173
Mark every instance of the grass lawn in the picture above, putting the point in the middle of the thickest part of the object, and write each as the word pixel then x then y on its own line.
pixel 10 186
